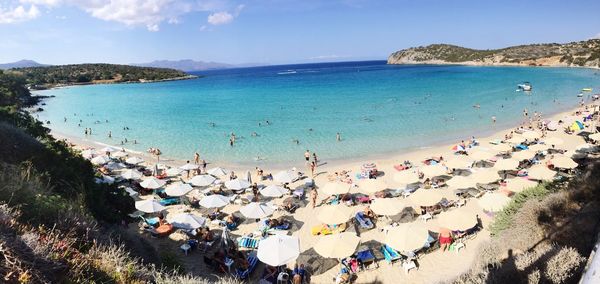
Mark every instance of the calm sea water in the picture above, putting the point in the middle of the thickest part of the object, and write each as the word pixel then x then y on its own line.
pixel 376 108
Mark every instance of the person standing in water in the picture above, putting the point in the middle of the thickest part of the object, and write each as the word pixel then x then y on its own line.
pixel 196 158
pixel 307 155
pixel 338 137
pixel 109 134
pixel 493 119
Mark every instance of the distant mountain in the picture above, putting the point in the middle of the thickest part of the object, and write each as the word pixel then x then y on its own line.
pixel 21 64
pixel 186 65
pixel 583 53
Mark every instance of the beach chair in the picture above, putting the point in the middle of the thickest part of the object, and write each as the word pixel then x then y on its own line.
pixel 298 193
pixel 244 274
pixel 408 265
pixel 150 222
pixel 366 258
pixel 390 255
pixel 247 242
pixel 364 222
pixel 170 201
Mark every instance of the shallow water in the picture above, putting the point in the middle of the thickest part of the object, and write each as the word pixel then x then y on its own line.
pixel 376 108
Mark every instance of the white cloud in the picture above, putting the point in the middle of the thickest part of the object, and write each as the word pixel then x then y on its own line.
pixel 220 18
pixel 18 14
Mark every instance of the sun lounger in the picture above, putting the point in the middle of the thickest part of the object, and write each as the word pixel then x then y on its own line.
pixel 298 193
pixel 170 201
pixel 151 222
pixel 364 222
pixel 390 255
pixel 244 274
pixel 247 242
pixel 366 258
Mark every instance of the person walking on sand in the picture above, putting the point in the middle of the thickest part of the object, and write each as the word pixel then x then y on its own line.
pixel 313 197
pixel 315 158
pixel 307 155
pixel 313 166
pixel 196 158
pixel 338 137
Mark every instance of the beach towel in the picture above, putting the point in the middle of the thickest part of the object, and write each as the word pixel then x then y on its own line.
pixel 321 230
pixel 246 242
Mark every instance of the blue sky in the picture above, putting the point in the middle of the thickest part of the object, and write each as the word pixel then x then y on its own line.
pixel 276 31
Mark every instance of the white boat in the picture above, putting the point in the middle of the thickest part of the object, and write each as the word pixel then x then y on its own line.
pixel 287 72
pixel 525 86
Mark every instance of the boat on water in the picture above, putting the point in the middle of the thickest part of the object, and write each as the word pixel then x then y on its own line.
pixel 287 72
pixel 580 95
pixel 587 89
pixel 525 86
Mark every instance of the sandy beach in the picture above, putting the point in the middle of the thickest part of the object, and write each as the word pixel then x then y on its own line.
pixel 432 268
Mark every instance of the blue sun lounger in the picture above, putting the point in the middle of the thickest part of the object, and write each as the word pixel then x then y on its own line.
pixel 170 201
pixel 390 255
pixel 246 242
pixel 244 274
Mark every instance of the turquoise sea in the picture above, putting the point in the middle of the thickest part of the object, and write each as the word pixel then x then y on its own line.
pixel 376 108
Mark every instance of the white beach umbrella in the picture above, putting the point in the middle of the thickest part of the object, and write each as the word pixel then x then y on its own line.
pixel 149 206
pixel 586 148
pixel 480 155
pixel 459 162
pixel 152 183
pixel 493 202
pixel 370 186
pixel 387 206
pixel 501 147
pixel 460 182
pixel 554 141
pixel 218 172
pixel 519 184
pixel 539 147
pixel 506 164
pixel 131 174
pixel 100 160
pixel 540 172
pixel 256 210
pixel 523 155
pixel 335 214
pixel 108 149
pixel 273 191
pixel 434 170
pixel 337 245
pixel 237 184
pixel 407 236
pixel 134 160
pixel 424 197
pixel 595 136
pixel 120 154
pixel 278 250
pixel 186 221
pixel 114 166
pixel 485 176
pixel 406 177
pixel 285 176
pixel 564 162
pixel 531 135
pixel 178 189
pixel 189 167
pixel 174 171
pixel 333 188
pixel 458 219
pixel 515 140
pixel 214 201
pixel 202 180
pixel 88 153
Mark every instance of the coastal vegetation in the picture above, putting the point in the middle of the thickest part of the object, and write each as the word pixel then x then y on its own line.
pixel 49 76
pixel 583 53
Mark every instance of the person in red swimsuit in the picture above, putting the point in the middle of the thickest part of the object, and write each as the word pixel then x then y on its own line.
pixel 445 239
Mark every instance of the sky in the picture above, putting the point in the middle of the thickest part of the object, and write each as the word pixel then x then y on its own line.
pixel 276 31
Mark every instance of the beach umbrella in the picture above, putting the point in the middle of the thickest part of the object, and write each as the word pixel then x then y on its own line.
pixel 506 164
pixel 480 155
pixel 152 183
pixel 88 153
pixel 285 176
pixel 501 147
pixel 406 177
pixel 485 176
pixel 120 154
pixel 595 137
pixel 100 160
pixel 407 236
pixel 586 148
pixel 114 166
pixel 107 179
pixel 424 197
pixel 523 155
pixel 530 135
pixel 237 184
pixel 202 180
pixel 552 125
pixel 461 182
pixel 519 184
pixel 131 174
pixel 337 245
pixel 186 221
pixel 577 125
pixel 214 201
pixel 458 148
pixel 273 191
pixel 434 170
pixel 458 219
pixel 459 162
pixel 493 202
pixel 335 214
pixel 149 206
pixel 134 160
pixel 538 147
pixel 554 141
pixel 278 250
pixel 178 189
pixel 189 167
pixel 540 172
pixel 370 186
pixel 564 162
pixel 386 206
pixel 256 210
pixel 516 140
pixel 108 149
pixel 333 188
pixel 174 171
pixel 218 172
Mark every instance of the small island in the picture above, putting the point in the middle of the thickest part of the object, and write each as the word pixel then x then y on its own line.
pixel 574 54
pixel 44 77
